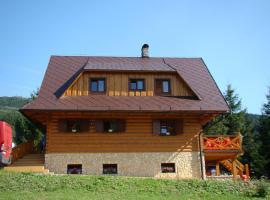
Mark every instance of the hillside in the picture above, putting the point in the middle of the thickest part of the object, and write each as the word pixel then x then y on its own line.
pixel 8 104
pixel 13 102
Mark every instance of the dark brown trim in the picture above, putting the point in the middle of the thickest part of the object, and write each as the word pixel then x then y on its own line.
pixel 162 93
pixel 133 111
pixel 97 78
pixel 137 79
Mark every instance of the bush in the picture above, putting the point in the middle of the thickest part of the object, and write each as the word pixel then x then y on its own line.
pixel 262 189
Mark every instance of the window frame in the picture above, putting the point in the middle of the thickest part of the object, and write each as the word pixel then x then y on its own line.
pixel 136 79
pixel 79 167
pixel 97 79
pixel 108 165
pixel 66 126
pixel 168 165
pixel 173 121
pixel 122 123
pixel 163 93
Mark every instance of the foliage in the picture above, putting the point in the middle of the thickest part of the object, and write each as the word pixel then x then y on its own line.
pixel 239 121
pixel 262 189
pixel 23 129
pixel 13 102
pixel 231 123
pixel 264 136
pixel 34 94
pixel 113 187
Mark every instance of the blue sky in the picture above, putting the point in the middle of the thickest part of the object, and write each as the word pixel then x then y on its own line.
pixel 233 37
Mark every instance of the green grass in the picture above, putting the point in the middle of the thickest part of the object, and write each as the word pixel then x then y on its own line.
pixel 32 186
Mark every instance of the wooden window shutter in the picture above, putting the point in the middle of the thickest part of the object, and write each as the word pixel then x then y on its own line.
pixel 62 125
pixel 156 127
pixel 179 126
pixel 99 126
pixel 158 85
pixel 122 125
pixel 84 125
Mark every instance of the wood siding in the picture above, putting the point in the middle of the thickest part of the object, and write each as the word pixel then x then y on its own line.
pixel 117 84
pixel 138 136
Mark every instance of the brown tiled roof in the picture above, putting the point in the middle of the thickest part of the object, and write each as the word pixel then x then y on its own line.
pixel 63 69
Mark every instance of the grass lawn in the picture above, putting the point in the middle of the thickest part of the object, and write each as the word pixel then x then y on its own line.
pixel 32 186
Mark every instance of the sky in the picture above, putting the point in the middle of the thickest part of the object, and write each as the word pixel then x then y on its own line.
pixel 233 38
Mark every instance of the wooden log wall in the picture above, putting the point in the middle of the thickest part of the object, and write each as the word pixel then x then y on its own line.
pixel 137 137
pixel 117 84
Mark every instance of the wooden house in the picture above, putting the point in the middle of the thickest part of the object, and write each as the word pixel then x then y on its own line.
pixel 130 116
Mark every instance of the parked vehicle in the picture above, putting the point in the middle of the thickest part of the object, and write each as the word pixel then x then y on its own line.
pixel 5 143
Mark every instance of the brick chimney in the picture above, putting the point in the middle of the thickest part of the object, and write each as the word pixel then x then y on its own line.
pixel 145 53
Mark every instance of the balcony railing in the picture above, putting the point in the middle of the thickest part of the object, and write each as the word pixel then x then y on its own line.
pixel 222 142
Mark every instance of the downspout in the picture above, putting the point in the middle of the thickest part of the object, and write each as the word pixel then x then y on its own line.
pixel 202 160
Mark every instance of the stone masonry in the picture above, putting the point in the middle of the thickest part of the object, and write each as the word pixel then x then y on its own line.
pixel 187 164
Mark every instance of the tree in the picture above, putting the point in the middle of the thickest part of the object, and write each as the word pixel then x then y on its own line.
pixel 264 130
pixel 231 123
pixel 251 147
pixel 23 129
pixel 34 94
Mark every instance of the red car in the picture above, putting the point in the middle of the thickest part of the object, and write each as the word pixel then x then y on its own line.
pixel 5 143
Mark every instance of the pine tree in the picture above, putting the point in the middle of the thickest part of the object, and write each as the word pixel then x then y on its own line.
pixel 264 130
pixel 228 124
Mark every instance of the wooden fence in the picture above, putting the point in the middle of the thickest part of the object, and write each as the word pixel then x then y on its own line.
pixel 22 149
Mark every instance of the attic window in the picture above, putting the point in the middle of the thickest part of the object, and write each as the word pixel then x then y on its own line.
pixel 162 87
pixel 136 85
pixel 97 85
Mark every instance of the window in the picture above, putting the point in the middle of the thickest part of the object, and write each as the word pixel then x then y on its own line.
pixel 74 169
pixel 109 168
pixel 110 126
pixel 73 126
pixel 97 85
pixel 167 127
pixel 136 84
pixel 168 167
pixel 162 87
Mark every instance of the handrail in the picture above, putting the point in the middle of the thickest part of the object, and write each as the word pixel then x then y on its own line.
pixel 222 142
pixel 21 150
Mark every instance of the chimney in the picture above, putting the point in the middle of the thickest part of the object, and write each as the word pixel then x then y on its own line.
pixel 145 51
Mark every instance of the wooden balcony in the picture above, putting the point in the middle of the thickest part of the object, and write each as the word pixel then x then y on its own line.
pixel 222 143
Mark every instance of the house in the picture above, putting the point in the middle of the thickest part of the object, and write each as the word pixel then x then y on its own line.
pixel 130 116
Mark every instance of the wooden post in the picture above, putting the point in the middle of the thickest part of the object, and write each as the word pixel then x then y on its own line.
pixel 234 170
pixel 217 169
pixel 247 170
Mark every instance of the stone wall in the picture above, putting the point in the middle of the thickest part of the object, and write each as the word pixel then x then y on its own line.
pixel 187 164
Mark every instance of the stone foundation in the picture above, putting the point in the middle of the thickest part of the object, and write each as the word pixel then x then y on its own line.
pixel 187 164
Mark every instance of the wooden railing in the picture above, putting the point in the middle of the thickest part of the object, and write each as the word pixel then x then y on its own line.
pixel 21 150
pixel 222 142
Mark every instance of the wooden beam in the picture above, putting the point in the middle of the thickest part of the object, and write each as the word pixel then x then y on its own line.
pixel 217 169
pixel 247 170
pixel 234 171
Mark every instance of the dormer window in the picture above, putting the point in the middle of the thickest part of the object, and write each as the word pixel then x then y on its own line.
pixel 136 85
pixel 162 87
pixel 97 85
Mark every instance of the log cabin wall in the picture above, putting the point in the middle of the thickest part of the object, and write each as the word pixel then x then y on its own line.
pixel 117 83
pixel 138 136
